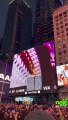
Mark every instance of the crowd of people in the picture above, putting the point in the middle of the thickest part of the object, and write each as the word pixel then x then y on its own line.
pixel 32 112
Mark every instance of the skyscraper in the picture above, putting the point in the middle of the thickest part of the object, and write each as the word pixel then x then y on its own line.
pixel 44 23
pixel 18 29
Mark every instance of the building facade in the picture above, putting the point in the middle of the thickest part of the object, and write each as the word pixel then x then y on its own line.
pixel 60 23
pixel 18 29
pixel 43 29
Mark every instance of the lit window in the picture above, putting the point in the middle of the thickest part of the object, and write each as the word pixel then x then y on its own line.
pixel 64 12
pixel 59 47
pixel 58 38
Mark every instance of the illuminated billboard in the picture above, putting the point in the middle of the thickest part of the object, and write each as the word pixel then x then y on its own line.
pixel 34 68
pixel 62 75
pixel 25 100
pixel 5 73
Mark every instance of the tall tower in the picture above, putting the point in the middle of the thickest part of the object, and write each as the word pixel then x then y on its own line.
pixel 44 22
pixel 18 29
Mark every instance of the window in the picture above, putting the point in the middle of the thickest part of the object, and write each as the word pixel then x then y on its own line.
pixel 64 46
pixel 59 47
pixel 57 24
pixel 60 15
pixel 65 51
pixel 63 35
pixel 62 31
pixel 59 42
pixel 61 22
pixel 60 58
pixel 67 34
pixel 65 57
pixel 61 26
pixel 58 33
pixel 66 29
pixel 58 38
pixel 60 53
pixel 66 62
pixel 61 18
pixel 63 41
pixel 65 20
pixel 57 20
pixel 56 16
pixel 67 39
pixel 66 24
pixel 64 13
pixel 57 28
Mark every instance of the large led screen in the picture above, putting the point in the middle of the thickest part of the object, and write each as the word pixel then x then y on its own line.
pixel 5 73
pixel 62 75
pixel 34 68
pixel 25 100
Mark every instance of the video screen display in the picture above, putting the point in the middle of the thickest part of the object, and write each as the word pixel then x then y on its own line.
pixel 5 73
pixel 5 70
pixel 24 100
pixel 34 68
pixel 62 75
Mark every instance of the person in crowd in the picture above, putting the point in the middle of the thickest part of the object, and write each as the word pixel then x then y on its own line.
pixel 32 112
